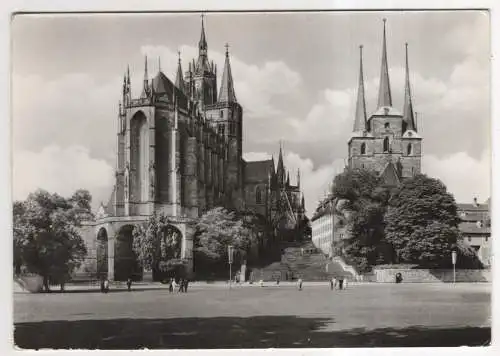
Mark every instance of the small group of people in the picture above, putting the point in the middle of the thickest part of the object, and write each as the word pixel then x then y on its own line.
pixel 338 283
pixel 181 285
pixel 104 285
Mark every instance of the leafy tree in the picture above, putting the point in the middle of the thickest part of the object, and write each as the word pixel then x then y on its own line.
pixel 46 237
pixel 217 229
pixel 157 243
pixel 360 198
pixel 422 222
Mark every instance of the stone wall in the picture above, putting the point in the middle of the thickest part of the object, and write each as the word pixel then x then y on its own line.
pixel 431 275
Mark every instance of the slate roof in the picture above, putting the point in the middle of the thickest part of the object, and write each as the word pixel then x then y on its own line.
pixel 258 171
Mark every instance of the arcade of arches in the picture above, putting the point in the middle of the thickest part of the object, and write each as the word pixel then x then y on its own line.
pixel 124 262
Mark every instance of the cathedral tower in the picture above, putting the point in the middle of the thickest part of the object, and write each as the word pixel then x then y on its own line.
pixel 388 141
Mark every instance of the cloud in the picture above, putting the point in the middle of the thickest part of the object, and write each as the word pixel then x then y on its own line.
pixel 256 156
pixel 61 170
pixel 463 176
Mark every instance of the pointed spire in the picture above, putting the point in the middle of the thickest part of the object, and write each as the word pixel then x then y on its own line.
pixel 128 75
pixel 145 87
pixel 280 170
pixel 226 94
pixel 408 105
pixel 159 64
pixel 179 80
pixel 303 203
pixel 287 178
pixel 384 90
pixel 298 178
pixel 202 45
pixel 360 123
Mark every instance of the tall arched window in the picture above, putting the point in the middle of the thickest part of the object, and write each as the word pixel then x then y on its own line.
pixel 386 144
pixel 409 149
pixel 143 160
pixel 363 148
pixel 258 195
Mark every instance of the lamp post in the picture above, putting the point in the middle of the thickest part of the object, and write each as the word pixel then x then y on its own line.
pixel 454 261
pixel 230 260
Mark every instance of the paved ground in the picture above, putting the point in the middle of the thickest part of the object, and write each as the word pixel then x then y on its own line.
pixel 211 316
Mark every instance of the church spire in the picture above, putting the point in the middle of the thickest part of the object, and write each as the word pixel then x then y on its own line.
pixel 179 80
pixel 384 90
pixel 226 94
pixel 360 124
pixel 280 170
pixel 298 178
pixel 408 105
pixel 145 88
pixel 202 45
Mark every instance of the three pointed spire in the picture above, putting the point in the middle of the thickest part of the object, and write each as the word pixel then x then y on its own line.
pixel 226 94
pixel 384 91
pixel 202 45
pixel 360 123
pixel 408 105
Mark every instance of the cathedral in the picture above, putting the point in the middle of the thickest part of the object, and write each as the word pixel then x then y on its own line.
pixel 179 152
pixel 388 141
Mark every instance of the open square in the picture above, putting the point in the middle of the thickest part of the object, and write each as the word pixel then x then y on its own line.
pixel 249 316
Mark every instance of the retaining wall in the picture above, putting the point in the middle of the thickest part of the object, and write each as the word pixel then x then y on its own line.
pixel 432 275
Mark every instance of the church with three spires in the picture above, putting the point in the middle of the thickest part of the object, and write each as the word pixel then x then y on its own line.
pixel 179 152
pixel 387 141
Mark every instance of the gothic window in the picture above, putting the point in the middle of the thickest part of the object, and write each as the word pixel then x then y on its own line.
pixel 258 195
pixel 386 144
pixel 387 125
pixel 363 148
pixel 221 129
pixel 409 149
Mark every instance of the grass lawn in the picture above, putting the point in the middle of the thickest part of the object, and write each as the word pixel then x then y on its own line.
pixel 254 317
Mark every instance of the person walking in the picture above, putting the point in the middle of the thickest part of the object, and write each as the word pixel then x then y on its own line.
pixel 170 286
pixel 129 284
pixel 174 284
pixel 186 283
pixel 341 282
pixel 278 280
pixel 300 283
pixel 106 286
pixel 332 283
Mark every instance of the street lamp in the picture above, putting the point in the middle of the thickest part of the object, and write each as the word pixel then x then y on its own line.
pixel 230 250
pixel 454 261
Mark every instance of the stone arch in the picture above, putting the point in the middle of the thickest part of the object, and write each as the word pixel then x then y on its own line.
pixel 170 252
pixel 102 254
pixel 139 157
pixel 386 144
pixel 363 148
pixel 126 264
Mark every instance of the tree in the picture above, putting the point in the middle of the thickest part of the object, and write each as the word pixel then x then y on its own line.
pixel 157 244
pixel 360 198
pixel 216 230
pixel 422 222
pixel 46 237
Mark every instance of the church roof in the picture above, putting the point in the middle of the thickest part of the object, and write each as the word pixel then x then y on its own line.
pixel 162 86
pixel 390 175
pixel 258 170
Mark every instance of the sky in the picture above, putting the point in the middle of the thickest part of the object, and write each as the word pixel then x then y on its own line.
pixel 295 76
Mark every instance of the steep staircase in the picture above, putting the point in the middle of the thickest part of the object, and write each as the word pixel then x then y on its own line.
pixel 301 260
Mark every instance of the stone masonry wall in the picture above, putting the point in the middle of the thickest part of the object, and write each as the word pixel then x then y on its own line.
pixel 428 275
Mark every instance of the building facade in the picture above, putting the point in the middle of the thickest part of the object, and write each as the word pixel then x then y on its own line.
pixel 475 228
pixel 387 141
pixel 179 152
